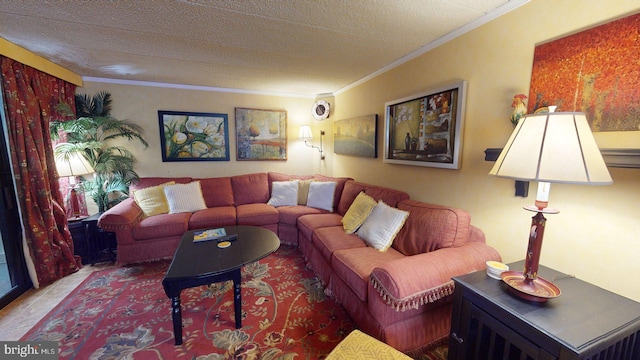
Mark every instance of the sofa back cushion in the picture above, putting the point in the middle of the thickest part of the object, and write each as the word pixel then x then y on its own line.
pixel 430 227
pixel 352 188
pixel 340 182
pixel 217 191
pixel 250 188
pixel 146 182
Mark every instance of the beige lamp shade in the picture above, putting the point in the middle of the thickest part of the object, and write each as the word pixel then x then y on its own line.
pixel 305 132
pixel 553 147
pixel 73 164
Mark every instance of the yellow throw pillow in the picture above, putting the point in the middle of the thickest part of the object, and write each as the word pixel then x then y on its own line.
pixel 152 200
pixel 358 212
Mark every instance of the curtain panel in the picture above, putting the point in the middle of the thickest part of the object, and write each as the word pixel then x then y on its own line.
pixel 30 97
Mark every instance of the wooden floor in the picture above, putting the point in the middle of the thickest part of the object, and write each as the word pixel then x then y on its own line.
pixel 24 312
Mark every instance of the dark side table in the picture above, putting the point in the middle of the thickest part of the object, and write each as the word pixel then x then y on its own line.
pixel 100 245
pixel 584 322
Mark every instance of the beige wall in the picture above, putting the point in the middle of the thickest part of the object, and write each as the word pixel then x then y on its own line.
pixel 595 236
pixel 141 104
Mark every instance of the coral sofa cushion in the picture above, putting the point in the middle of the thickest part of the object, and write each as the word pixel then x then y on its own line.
pixel 430 227
pixel 217 191
pixel 161 226
pixel 257 214
pixel 382 226
pixel 321 195
pixel 184 197
pixel 250 188
pixel 284 193
pixel 152 200
pixel 213 217
pixel 358 212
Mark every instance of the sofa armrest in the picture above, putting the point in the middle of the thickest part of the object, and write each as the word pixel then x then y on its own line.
pixel 121 219
pixel 420 279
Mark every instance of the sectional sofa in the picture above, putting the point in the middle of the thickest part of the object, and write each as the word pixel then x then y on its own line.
pixel 386 258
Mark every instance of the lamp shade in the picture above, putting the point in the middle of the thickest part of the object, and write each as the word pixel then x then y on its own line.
pixel 73 164
pixel 305 132
pixel 553 147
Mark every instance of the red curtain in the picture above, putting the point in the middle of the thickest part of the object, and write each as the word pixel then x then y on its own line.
pixel 30 99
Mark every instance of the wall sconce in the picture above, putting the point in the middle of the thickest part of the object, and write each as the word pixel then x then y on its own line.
pixel 305 134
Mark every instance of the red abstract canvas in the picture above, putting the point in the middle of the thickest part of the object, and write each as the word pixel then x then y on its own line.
pixel 596 71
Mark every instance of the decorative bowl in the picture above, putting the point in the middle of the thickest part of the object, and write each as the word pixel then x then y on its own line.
pixel 495 268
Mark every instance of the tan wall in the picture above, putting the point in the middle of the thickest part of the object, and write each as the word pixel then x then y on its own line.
pixel 141 104
pixel 596 234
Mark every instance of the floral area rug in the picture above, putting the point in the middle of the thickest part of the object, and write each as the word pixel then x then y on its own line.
pixel 123 313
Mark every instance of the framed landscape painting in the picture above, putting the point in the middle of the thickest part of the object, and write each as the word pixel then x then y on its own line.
pixel 261 134
pixel 426 129
pixel 595 71
pixel 356 136
pixel 193 136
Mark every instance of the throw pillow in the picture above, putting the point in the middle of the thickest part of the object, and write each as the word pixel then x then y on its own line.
pixel 303 191
pixel 382 226
pixel 184 197
pixel 321 195
pixel 152 200
pixel 284 193
pixel 358 212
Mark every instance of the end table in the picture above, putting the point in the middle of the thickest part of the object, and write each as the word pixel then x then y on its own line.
pixel 584 322
pixel 101 245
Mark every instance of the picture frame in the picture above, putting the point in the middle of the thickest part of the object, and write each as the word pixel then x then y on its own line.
pixel 261 134
pixel 426 129
pixel 193 136
pixel 356 136
pixel 594 71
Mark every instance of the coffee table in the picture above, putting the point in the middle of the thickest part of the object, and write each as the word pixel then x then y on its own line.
pixel 202 263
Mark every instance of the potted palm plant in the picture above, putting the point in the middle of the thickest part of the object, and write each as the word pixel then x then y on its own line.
pixel 90 132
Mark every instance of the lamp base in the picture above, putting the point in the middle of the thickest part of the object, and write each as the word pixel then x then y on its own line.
pixel 538 289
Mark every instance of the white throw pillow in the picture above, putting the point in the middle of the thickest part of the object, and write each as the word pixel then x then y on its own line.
pixel 284 193
pixel 184 197
pixel 321 195
pixel 382 226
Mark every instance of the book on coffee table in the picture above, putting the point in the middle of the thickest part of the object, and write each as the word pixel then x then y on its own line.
pixel 210 234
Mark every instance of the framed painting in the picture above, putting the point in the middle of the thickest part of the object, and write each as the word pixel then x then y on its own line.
pixel 356 136
pixel 261 134
pixel 595 71
pixel 426 129
pixel 193 136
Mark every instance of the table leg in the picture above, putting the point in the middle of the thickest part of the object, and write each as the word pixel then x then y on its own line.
pixel 177 319
pixel 237 297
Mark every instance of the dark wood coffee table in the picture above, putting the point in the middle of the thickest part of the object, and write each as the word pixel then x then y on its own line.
pixel 202 263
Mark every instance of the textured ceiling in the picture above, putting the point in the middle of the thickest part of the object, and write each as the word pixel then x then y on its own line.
pixel 304 47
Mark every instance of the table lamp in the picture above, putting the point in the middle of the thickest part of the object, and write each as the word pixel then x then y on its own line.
pixel 70 165
pixel 547 147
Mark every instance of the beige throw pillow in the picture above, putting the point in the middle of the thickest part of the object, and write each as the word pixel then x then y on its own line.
pixel 358 212
pixel 382 226
pixel 184 197
pixel 321 195
pixel 284 193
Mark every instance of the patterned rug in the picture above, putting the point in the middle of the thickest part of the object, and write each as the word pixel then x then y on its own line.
pixel 123 313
